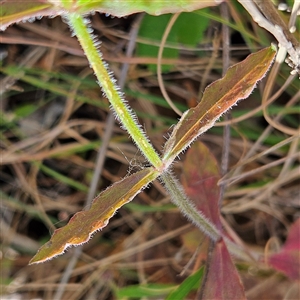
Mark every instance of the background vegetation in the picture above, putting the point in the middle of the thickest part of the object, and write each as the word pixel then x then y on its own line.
pixel 53 124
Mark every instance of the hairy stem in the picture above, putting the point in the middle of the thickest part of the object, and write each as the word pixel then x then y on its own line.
pixel 127 117
pixel 179 198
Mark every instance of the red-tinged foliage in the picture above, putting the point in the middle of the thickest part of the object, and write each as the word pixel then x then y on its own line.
pixel 238 82
pixel 83 224
pixel 288 259
pixel 199 179
pixel 223 281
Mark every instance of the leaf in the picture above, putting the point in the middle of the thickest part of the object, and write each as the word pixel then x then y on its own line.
pixel 288 259
pixel 13 11
pixel 154 7
pixel 200 181
pixel 223 281
pixel 83 224
pixel 152 28
pixel 218 97
pixel 188 30
pixel 142 290
pixel 190 283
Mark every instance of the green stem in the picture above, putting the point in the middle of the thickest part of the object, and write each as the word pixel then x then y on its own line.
pixel 179 198
pixel 127 117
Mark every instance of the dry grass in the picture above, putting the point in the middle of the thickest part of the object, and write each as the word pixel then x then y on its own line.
pixel 53 124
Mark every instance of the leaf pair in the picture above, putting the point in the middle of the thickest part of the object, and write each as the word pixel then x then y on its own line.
pixel 238 82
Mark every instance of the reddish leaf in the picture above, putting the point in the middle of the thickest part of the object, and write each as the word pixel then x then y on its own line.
pixel 83 224
pixel 288 259
pixel 218 97
pixel 223 281
pixel 199 179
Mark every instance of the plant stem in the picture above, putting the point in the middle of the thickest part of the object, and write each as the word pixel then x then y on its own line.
pixel 179 198
pixel 127 117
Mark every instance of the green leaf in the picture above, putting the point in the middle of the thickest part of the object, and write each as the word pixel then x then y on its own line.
pixel 25 110
pixel 218 97
pixel 188 30
pixel 140 291
pixel 189 284
pixel 154 7
pixel 13 11
pixel 83 224
pixel 152 28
